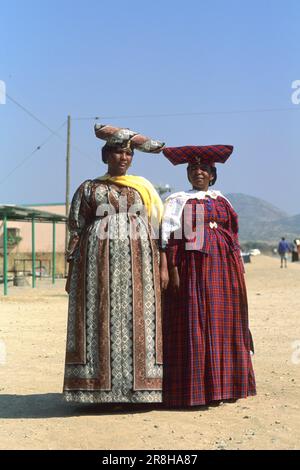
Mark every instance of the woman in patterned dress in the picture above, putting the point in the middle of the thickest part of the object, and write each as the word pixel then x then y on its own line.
pixel 207 341
pixel 114 338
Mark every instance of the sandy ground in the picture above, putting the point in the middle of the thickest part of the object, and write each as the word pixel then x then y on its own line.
pixel 34 416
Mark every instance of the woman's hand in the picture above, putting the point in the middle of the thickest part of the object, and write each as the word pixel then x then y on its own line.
pixel 164 273
pixel 174 279
pixel 164 278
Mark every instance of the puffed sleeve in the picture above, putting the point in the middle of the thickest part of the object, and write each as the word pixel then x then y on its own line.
pixel 80 215
pixel 234 232
pixel 171 232
pixel 234 227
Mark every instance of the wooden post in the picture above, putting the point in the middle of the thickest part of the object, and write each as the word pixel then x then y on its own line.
pixel 67 186
pixel 5 257
pixel 33 251
pixel 53 251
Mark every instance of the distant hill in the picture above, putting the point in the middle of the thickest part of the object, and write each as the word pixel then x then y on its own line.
pixel 261 221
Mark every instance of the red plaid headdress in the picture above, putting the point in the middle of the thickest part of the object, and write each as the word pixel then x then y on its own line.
pixel 209 154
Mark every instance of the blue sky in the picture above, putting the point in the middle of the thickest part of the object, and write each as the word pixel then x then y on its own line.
pixel 225 59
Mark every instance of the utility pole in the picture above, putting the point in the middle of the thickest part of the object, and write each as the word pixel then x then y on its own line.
pixel 67 186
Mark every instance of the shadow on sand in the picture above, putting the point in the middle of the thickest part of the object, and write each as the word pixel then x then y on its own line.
pixel 52 405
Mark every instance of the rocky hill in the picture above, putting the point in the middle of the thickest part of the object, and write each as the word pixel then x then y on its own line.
pixel 261 221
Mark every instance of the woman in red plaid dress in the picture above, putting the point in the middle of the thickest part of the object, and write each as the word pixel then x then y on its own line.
pixel 207 340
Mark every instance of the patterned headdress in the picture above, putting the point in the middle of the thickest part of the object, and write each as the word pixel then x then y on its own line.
pixel 118 136
pixel 209 154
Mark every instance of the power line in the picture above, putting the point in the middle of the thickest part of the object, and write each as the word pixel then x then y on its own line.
pixel 35 117
pixel 84 154
pixel 125 116
pixel 42 123
pixel 197 113
pixel 32 153
pixel 96 118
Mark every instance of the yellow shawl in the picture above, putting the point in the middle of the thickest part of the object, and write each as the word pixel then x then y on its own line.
pixel 147 191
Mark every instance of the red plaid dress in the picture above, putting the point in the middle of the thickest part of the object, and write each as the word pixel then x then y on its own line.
pixel 206 335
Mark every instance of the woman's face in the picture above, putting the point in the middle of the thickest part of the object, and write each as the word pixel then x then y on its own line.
pixel 200 175
pixel 118 161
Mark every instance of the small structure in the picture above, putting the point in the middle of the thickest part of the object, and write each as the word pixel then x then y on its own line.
pixel 11 212
pixel 246 257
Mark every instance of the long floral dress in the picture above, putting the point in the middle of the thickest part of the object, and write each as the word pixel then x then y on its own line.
pixel 114 337
pixel 206 335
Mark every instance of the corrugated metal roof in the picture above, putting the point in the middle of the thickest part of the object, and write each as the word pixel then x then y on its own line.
pixel 13 212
